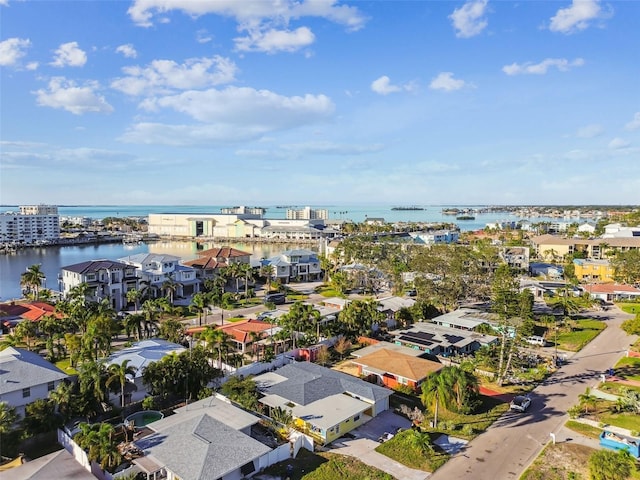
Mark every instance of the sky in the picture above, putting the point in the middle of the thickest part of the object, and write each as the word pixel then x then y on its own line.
pixel 319 102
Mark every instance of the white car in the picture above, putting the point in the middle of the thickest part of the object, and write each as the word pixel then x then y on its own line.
pixel 520 403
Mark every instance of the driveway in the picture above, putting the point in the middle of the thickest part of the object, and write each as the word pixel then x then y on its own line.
pixel 363 446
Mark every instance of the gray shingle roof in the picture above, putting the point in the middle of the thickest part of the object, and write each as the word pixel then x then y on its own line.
pixel 307 382
pixel 21 368
pixel 144 352
pixel 201 448
pixel 93 266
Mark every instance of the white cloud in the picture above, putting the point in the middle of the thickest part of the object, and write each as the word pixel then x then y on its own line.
pixel 272 40
pixel 331 148
pixel 127 50
pixel 618 143
pixel 69 54
pixel 203 36
pixel 590 131
pixel 165 76
pixel 32 66
pixel 230 115
pixel 445 81
pixel 12 50
pixel 252 12
pixel 562 64
pixel 577 17
pixel 67 95
pixel 469 20
pixel 383 86
pixel 635 123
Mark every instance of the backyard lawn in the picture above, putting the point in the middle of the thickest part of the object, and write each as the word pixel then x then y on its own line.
pixel 404 448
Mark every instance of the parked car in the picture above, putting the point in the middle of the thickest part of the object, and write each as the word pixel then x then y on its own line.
pixel 266 314
pixel 276 298
pixel 520 403
pixel 535 340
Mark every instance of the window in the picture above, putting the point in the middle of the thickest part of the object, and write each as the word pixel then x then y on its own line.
pixel 50 386
pixel 356 418
pixel 26 392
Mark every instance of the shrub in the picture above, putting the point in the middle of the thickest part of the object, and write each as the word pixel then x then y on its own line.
pixel 610 465
pixel 468 430
pixel 149 403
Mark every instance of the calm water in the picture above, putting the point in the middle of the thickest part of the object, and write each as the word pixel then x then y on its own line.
pixel 52 259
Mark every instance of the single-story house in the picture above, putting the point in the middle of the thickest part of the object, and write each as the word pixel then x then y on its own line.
pixel 462 319
pixel 612 292
pixel 441 341
pixel 324 403
pixel 392 368
pixel 26 377
pixel 209 439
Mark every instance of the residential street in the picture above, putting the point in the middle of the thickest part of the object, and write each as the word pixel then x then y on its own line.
pixel 515 440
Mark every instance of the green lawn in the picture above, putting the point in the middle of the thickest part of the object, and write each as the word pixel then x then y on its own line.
pixel 403 449
pixel 325 466
pixel 585 331
pixel 630 421
pixel 615 388
pixel 629 368
pixel 583 429
pixel 65 366
pixel 632 308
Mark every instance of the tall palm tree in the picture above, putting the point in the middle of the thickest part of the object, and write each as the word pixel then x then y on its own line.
pixel 33 279
pixel 267 271
pixel 134 295
pixel 217 340
pixel 92 376
pixel 62 397
pixel 246 270
pixel 199 303
pixel 170 287
pixel 118 373
pixel 434 391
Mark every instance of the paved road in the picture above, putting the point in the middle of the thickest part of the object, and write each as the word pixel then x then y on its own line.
pixel 509 446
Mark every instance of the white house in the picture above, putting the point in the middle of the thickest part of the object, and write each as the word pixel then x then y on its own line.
pixel 140 355
pixel 105 279
pixel 296 265
pixel 155 269
pixel 26 377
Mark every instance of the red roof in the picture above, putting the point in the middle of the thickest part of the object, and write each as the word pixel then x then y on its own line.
pixel 240 330
pixel 206 263
pixel 224 252
pixel 610 288
pixel 33 311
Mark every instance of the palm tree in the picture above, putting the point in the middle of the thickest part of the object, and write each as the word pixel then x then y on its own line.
pixel 92 377
pixel 267 271
pixel 170 287
pixel 150 309
pixel 62 397
pixel 217 340
pixel 434 392
pixel 8 417
pixel 199 303
pixel 133 323
pixel 255 338
pixel 26 330
pixel 118 373
pixel 33 279
pixel 134 295
pixel 246 270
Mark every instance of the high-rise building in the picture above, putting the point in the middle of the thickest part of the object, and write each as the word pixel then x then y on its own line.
pixel 307 213
pixel 33 224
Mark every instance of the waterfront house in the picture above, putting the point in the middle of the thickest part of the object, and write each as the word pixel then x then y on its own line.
pixel 26 377
pixel 211 262
pixel 324 403
pixel 155 270
pixel 104 278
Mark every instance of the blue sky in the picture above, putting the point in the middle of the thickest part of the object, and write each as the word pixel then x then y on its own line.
pixel 320 102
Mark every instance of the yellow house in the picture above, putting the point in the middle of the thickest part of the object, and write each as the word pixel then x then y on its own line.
pixel 593 271
pixel 324 403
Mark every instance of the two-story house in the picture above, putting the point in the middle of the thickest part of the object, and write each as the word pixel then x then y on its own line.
pixel 156 271
pixel 105 279
pixel 296 265
pixel 211 262
pixel 26 377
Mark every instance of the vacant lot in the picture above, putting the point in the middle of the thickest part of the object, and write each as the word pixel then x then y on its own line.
pixel 583 332
pixel 562 461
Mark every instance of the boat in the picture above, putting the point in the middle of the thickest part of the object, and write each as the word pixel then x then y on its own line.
pixel 407 208
pixel 132 239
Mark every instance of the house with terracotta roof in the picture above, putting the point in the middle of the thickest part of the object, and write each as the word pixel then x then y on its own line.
pixel 392 368
pixel 242 333
pixel 13 313
pixel 26 377
pixel 324 403
pixel 210 262
pixel 610 292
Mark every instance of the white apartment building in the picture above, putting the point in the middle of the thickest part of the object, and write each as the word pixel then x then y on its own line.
pixel 32 224
pixel 307 213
